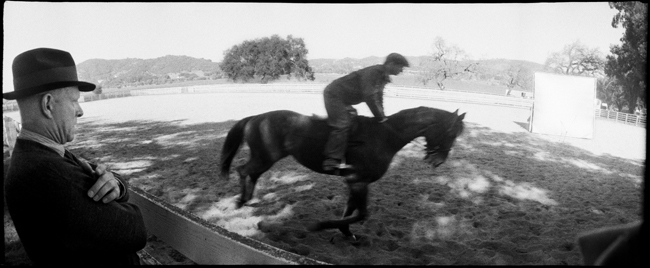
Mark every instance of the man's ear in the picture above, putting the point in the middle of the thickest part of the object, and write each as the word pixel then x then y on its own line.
pixel 47 105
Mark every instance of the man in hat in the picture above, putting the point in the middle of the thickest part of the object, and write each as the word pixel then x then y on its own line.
pixel 364 85
pixel 65 210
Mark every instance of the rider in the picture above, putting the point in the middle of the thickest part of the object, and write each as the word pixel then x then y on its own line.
pixel 364 85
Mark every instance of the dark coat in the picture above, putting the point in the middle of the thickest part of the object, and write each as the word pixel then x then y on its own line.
pixel 57 222
pixel 364 85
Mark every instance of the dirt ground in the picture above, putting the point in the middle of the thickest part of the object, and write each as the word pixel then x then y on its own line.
pixel 504 197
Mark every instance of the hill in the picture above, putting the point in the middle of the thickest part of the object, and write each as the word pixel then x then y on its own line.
pixel 173 69
pixel 118 73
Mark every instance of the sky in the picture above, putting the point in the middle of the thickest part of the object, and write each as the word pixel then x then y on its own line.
pixel 529 31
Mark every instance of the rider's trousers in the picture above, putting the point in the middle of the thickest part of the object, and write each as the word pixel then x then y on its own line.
pixel 340 118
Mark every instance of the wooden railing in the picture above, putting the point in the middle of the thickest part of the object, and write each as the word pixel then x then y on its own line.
pixel 625 118
pixel 205 243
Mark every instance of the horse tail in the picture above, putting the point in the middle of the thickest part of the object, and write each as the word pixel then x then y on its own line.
pixel 230 147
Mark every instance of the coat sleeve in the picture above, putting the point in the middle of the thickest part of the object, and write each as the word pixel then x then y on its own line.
pixel 115 225
pixel 124 189
pixel 372 86
pixel 376 104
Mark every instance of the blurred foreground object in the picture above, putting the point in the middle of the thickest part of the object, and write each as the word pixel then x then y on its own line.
pixel 617 245
pixel 10 130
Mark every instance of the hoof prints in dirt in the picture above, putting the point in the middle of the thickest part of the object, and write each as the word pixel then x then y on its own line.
pixel 501 198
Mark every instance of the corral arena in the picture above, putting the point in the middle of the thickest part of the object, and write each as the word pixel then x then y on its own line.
pixel 504 196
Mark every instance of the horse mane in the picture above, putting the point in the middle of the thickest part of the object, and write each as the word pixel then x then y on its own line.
pixel 460 128
pixel 407 116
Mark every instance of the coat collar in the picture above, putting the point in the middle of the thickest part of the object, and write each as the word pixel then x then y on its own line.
pixel 35 137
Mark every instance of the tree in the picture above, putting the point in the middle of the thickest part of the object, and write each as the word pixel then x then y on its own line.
pixel 445 62
pixel 518 75
pixel 297 63
pixel 576 59
pixel 267 59
pixel 609 91
pixel 627 63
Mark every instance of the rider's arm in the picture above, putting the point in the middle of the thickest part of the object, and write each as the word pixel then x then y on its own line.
pixel 376 105
pixel 372 86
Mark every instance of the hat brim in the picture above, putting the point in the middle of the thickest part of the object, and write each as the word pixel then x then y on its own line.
pixel 83 86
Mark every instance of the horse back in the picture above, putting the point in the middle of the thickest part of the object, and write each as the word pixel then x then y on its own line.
pixel 316 127
pixel 277 134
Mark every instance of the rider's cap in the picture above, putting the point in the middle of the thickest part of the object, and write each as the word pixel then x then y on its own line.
pixel 397 59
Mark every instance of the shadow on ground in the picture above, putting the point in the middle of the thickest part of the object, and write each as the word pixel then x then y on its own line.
pixel 501 198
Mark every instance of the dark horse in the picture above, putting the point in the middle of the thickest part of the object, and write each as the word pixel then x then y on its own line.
pixel 274 135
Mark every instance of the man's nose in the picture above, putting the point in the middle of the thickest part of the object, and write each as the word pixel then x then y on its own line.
pixel 80 112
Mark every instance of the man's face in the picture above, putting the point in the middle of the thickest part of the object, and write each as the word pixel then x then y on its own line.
pixel 65 113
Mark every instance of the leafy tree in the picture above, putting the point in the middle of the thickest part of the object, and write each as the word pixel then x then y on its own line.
pixel 609 91
pixel 445 62
pixel 628 61
pixel 267 59
pixel 576 59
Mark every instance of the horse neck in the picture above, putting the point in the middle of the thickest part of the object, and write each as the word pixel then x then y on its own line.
pixel 403 129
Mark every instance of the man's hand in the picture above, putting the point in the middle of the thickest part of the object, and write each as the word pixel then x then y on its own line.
pixel 106 187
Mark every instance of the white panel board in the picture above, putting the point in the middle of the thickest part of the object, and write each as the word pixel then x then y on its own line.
pixel 564 105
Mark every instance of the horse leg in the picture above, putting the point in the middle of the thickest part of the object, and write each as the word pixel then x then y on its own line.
pixel 357 200
pixel 349 209
pixel 248 175
pixel 351 205
pixel 247 188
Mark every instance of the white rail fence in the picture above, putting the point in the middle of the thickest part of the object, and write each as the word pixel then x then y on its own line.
pixel 625 118
pixel 391 91
pixel 317 88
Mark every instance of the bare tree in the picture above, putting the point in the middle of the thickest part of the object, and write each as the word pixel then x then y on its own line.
pixel 446 61
pixel 518 75
pixel 576 59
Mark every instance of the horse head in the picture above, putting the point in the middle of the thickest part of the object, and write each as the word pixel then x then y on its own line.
pixel 440 136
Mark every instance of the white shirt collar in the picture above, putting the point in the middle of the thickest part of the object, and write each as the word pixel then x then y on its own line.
pixel 35 137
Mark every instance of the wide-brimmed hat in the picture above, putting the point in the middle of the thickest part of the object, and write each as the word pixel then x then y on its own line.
pixel 43 69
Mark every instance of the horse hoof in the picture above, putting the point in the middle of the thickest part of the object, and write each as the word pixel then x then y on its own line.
pixel 354 239
pixel 239 204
